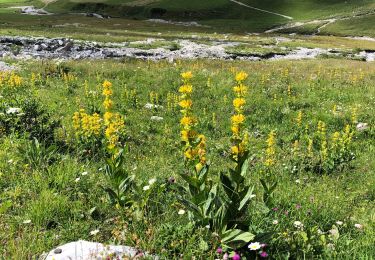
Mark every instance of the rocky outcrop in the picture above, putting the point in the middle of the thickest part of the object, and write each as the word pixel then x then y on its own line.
pixel 62 48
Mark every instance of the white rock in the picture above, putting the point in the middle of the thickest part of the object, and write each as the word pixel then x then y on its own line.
pixel 157 118
pixel 152 106
pixel 362 126
pixel 13 110
pixel 84 250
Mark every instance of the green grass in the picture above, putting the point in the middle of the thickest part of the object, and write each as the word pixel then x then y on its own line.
pixel 61 208
pixel 361 26
pixel 224 15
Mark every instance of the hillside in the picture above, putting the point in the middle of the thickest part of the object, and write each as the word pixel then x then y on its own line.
pixel 233 15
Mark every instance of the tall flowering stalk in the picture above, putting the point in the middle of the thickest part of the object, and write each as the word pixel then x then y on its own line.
pixel 239 137
pixel 269 181
pixel 194 144
pixel 198 187
pixel 234 183
pixel 221 206
pixel 114 122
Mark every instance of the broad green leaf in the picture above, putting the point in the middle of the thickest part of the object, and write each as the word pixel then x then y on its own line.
pixel 246 199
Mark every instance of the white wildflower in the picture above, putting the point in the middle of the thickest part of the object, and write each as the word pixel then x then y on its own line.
pixel 254 246
pixel 94 232
pixel 152 181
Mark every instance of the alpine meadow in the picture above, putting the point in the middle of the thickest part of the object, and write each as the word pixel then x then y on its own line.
pixel 160 129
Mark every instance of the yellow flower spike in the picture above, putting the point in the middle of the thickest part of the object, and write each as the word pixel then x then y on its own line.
pixel 241 76
pixel 238 119
pixel 235 130
pixel 107 84
pixel 107 92
pixel 186 89
pixel 271 149
pixel 186 103
pixel 235 150
pixel 187 75
pixel 239 102
pixel 108 104
pixel 187 121
pixel 185 135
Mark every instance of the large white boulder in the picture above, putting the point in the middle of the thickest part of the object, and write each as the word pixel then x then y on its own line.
pixel 84 250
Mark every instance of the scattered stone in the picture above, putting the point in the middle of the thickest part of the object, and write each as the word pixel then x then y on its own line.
pixel 5 67
pixel 13 110
pixel 157 118
pixel 37 47
pixel 152 106
pixel 362 126
pixel 92 250
pixel 57 251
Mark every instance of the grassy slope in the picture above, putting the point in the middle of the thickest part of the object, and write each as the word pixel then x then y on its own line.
pixel 221 13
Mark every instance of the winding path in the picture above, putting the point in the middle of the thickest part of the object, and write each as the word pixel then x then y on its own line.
pixel 261 10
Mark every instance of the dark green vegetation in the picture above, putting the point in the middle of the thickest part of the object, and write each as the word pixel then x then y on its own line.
pixel 43 182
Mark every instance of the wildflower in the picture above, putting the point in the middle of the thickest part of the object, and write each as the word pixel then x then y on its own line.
pixel 241 76
pixel 254 246
pixel 219 250
pixel 359 226
pixel 94 232
pixel 107 92
pixel 339 223
pixel 107 84
pixel 299 118
pixel 263 254
pixel 84 173
pixel 27 221
pixel 181 212
pixel 239 102
pixel 107 104
pixel 238 119
pixel 271 149
pixel 187 121
pixel 185 103
pixel 240 90
pixel 147 187
pixel 236 256
pixel 186 89
pixel 275 222
pixel 225 256
pixel 187 75
pixel 152 181
pixel 77 179
pixel 298 224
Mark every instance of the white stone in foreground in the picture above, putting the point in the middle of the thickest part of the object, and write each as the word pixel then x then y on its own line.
pixel 362 126
pixel 84 250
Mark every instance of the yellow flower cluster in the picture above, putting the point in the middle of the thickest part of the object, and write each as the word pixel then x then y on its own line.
pixel 194 144
pixel 10 79
pixel 271 149
pixel 239 139
pixel 323 140
pixel 87 125
pixel 68 77
pixel 111 126
pixel 115 125
pixel 299 118
pixel 107 93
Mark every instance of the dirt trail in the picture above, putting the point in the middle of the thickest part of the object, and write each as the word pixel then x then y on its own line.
pixel 261 10
pixel 324 22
